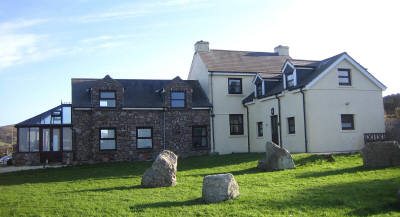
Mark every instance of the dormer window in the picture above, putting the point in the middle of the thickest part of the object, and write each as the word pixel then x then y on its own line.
pixel 178 99
pixel 290 80
pixel 107 99
pixel 259 89
pixel 289 75
pixel 344 77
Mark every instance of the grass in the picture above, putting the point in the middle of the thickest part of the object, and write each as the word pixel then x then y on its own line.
pixel 315 188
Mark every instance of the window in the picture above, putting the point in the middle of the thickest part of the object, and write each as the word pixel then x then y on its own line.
pixel 290 80
pixel 258 89
pixel 234 85
pixel 107 99
pixel 260 129
pixel 107 139
pixel 347 121
pixel 23 139
pixel 67 139
pixel 46 139
pixel 199 137
pixel 144 137
pixel 291 125
pixel 236 124
pixel 56 139
pixel 177 99
pixel 344 77
pixel 28 139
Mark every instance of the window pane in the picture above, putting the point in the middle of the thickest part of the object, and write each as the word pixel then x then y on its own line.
pixel 66 115
pixel 291 125
pixel 107 94
pixel 144 143
pixel 347 121
pixel 107 133
pixel 56 140
pixel 178 103
pixel 177 95
pixel 344 80
pixel 344 73
pixel 234 86
pixel 107 144
pixel 107 103
pixel 67 139
pixel 23 139
pixel 34 139
pixel 46 139
pixel 144 132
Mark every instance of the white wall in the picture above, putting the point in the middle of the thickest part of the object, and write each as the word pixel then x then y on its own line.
pixel 225 104
pixel 198 71
pixel 326 101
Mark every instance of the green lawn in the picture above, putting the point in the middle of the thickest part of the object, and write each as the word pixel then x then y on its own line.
pixel 315 188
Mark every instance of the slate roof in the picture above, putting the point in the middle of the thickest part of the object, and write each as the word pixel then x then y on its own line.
pixel 138 93
pixel 265 63
pixel 310 69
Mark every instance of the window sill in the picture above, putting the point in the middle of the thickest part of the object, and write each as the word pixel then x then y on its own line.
pixel 237 136
pixel 345 86
pixel 348 131
pixel 144 149
pixel 107 150
pixel 291 134
pixel 235 94
pixel 260 137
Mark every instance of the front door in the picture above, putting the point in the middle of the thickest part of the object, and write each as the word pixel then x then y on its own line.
pixel 51 145
pixel 274 129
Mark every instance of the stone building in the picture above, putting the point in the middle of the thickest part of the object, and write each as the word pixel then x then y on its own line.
pixel 126 120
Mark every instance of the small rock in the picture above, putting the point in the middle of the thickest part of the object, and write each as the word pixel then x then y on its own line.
pixel 219 187
pixel 163 171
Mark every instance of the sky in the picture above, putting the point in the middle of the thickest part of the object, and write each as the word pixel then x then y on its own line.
pixel 45 43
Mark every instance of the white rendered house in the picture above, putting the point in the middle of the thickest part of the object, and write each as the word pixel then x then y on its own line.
pixel 302 105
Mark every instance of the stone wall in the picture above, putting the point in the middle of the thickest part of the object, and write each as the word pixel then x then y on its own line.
pixel 381 154
pixel 177 123
pixel 26 158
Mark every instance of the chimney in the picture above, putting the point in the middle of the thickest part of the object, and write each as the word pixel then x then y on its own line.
pixel 282 50
pixel 201 46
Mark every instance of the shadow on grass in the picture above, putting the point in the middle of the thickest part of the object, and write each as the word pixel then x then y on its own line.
pixel 251 170
pixel 371 197
pixel 75 173
pixel 117 188
pixel 166 204
pixel 207 162
pixel 116 170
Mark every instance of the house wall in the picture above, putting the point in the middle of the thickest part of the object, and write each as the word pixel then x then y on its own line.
pixel 326 101
pixel 177 123
pixel 198 71
pixel 260 111
pixel 225 104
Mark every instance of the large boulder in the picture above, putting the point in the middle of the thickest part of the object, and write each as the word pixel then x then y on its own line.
pixel 163 171
pixel 276 158
pixel 219 187
pixel 381 154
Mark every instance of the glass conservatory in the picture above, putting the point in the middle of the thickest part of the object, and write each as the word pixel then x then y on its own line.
pixel 49 135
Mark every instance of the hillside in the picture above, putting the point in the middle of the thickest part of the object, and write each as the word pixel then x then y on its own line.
pixel 5 134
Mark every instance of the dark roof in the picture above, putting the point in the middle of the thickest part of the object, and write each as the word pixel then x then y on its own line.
pixel 310 69
pixel 265 63
pixel 49 117
pixel 138 93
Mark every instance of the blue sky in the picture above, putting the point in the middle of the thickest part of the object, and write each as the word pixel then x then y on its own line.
pixel 43 44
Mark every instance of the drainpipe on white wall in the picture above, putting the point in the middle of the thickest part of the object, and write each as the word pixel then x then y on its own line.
pixel 248 128
pixel 279 120
pixel 304 120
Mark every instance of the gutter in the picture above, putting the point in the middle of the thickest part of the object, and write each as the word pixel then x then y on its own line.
pixel 279 119
pixel 304 120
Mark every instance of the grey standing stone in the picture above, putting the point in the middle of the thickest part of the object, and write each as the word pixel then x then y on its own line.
pixel 276 158
pixel 163 171
pixel 381 154
pixel 219 187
